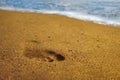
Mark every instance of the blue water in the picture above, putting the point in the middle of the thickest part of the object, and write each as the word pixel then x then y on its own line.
pixel 99 11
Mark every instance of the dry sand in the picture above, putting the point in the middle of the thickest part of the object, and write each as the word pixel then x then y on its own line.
pixel 52 47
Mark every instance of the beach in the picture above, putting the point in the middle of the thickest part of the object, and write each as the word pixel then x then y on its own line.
pixel 53 47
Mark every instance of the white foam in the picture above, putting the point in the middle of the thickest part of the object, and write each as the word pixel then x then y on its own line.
pixel 71 14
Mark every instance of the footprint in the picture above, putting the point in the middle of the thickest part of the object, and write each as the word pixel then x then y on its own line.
pixel 32 49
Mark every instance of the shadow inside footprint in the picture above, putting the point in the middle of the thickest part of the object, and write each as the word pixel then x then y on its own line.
pixel 59 57
pixel 50 52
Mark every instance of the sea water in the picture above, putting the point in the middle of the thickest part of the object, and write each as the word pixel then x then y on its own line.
pixel 99 11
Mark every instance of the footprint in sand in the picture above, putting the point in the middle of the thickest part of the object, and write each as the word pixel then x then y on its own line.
pixel 32 49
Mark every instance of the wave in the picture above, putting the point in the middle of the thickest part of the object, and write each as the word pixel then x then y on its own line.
pixel 71 14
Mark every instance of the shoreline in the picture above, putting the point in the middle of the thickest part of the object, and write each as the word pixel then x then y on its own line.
pixel 53 47
pixel 97 21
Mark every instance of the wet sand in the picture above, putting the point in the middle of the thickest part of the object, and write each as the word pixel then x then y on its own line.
pixel 52 47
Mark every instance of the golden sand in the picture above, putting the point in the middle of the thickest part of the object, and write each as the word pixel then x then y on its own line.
pixel 52 47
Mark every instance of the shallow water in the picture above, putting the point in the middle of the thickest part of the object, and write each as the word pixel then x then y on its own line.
pixel 99 11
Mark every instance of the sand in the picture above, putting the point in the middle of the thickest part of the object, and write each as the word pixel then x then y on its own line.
pixel 52 47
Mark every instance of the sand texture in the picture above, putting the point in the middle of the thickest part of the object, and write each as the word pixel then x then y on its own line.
pixel 52 47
